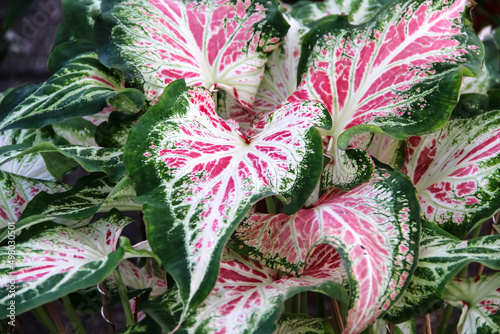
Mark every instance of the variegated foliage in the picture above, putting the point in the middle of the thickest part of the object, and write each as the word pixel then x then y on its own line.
pixel 221 44
pixel 457 171
pixel 199 176
pixel 58 260
pixel 400 73
pixel 479 298
pixel 374 227
pixel 441 257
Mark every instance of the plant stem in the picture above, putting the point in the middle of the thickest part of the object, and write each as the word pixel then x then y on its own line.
pixel 337 316
pixel 129 317
pixel 271 206
pixel 445 319
pixel 73 316
pixel 54 314
pixel 44 319
pixel 428 328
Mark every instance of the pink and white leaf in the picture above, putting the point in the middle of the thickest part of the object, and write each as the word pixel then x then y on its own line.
pixel 479 299
pixel 60 260
pixel 213 44
pixel 391 73
pixel 15 193
pixel 209 174
pixel 373 226
pixel 456 172
pixel 249 297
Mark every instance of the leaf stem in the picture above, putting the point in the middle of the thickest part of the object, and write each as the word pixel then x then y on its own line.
pixel 337 316
pixel 445 319
pixel 129 317
pixel 73 316
pixel 45 320
pixel 54 314
pixel 428 328
pixel 271 206
pixel 303 302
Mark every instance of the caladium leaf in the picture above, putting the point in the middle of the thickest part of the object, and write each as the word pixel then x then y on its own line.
pixel 15 193
pixel 375 227
pixel 280 76
pixel 80 88
pixel 208 43
pixel 441 257
pixel 381 327
pixel 358 11
pixel 91 158
pixel 387 150
pixel 60 260
pixel 300 324
pixel 249 297
pixel 139 278
pixel 456 172
pixel 200 176
pixel 31 165
pixel 479 298
pixel 400 73
pixel 76 131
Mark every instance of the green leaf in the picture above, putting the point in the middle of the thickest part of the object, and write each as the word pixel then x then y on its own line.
pixel 77 131
pixel 441 257
pixel 91 158
pixel 299 324
pixel 479 299
pixel 64 52
pixel 80 88
pixel 128 101
pixel 58 261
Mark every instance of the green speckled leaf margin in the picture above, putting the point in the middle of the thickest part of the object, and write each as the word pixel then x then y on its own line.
pixel 199 176
pixel 80 88
pixel 59 261
pixel 441 257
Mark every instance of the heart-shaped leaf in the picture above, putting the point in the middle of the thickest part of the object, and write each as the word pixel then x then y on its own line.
pixel 479 298
pixel 199 176
pixel 400 73
pixel 208 43
pixel 441 257
pixel 457 171
pixel 374 227
pixel 60 260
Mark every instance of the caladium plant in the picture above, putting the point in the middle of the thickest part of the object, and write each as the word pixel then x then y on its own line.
pixel 341 149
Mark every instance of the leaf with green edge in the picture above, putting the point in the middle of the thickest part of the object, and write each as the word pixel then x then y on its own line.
pixel 15 96
pixel 199 176
pixel 65 52
pixel 114 132
pixel 59 261
pixel 249 297
pixel 347 168
pixel 479 299
pixel 16 191
pixel 101 117
pixel 221 44
pixel 128 101
pixel 31 165
pixel 80 88
pixel 375 228
pixel 91 194
pixel 77 131
pixel 400 73
pixel 358 11
pixel 80 17
pixel 490 74
pixel 91 158
pixel 141 249
pixel 300 324
pixel 139 278
pixel 441 257
pixel 456 171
